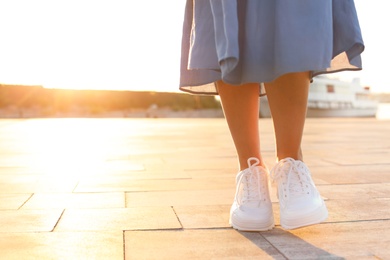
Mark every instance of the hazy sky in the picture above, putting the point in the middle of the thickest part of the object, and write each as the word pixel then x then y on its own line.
pixel 125 44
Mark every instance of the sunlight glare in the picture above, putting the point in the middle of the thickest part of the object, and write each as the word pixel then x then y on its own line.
pixel 70 147
pixel 88 44
pixel 383 112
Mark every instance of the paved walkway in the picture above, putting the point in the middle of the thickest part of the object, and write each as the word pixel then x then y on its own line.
pixel 162 188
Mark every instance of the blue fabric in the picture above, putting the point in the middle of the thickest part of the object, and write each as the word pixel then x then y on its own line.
pixel 242 41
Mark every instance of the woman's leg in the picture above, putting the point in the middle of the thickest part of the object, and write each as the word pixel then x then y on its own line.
pixel 299 200
pixel 252 208
pixel 287 98
pixel 241 109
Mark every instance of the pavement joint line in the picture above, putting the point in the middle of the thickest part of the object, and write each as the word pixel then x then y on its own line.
pixel 153 230
pixel 124 244
pixel 124 199
pixel 355 221
pixel 177 216
pixel 55 226
pixel 24 203
pixel 75 187
pixel 277 226
pixel 273 246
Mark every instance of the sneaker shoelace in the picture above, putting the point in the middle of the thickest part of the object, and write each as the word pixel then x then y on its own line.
pixel 250 183
pixel 294 176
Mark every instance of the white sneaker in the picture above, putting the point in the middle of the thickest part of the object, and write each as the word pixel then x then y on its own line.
pixel 299 200
pixel 252 207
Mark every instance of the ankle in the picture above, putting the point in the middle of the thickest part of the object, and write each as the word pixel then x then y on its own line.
pixel 296 156
pixel 283 153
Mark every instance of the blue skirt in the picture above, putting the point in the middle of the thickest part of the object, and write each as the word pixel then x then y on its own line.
pixel 248 41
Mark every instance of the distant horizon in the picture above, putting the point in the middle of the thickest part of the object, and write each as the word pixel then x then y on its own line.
pixel 92 89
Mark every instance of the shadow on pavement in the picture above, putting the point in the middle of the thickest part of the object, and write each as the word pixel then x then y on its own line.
pixel 282 244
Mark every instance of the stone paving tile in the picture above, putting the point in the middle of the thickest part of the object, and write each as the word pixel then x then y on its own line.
pixel 198 244
pixel 141 175
pixel 348 191
pixel 118 219
pixel 351 210
pixel 14 188
pixel 353 174
pixel 354 158
pixel 19 179
pixel 13 201
pixel 75 200
pixel 122 165
pixel 62 245
pixel 18 170
pixel 15 160
pixel 353 240
pixel 179 198
pixel 314 159
pixel 184 174
pixel 214 216
pixel 226 173
pixel 14 184
pixel 29 220
pixel 340 210
pixel 359 209
pixel 217 166
pixel 111 184
pixel 202 158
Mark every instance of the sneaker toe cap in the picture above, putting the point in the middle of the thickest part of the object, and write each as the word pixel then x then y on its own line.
pixel 302 207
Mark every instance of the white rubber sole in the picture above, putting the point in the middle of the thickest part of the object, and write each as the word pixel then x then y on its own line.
pixel 315 217
pixel 242 226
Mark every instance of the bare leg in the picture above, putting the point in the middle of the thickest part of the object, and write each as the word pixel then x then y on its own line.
pixel 241 109
pixel 287 97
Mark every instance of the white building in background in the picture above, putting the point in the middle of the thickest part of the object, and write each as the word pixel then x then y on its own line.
pixel 330 97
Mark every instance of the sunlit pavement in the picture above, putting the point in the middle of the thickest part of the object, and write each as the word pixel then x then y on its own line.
pixel 162 189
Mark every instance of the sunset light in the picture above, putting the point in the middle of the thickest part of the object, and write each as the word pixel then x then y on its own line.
pixel 66 149
pixel 85 44
pixel 126 45
pixel 73 148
